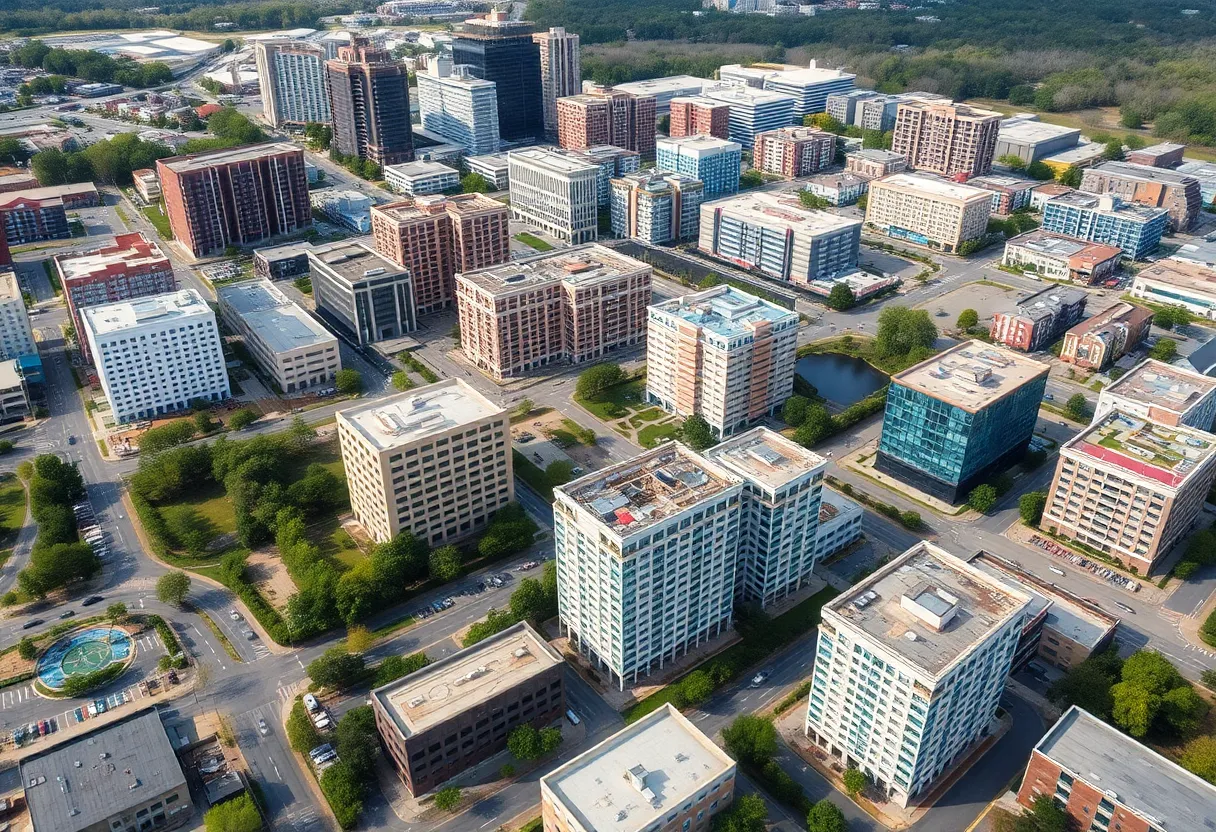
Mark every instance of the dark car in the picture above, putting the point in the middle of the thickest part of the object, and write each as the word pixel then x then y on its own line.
pixel 67 614
pixel 71 440
pixel 33 622
pixel 91 600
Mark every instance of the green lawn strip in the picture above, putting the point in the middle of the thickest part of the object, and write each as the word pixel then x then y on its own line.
pixel 389 629
pixel 617 401
pixel 539 480
pixel 52 274
pixel 1207 631
pixel 160 222
pixel 12 507
pixel 795 696
pixel 533 241
pixel 218 633
pixel 652 435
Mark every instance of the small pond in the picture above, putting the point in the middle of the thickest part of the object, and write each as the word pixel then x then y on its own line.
pixel 841 379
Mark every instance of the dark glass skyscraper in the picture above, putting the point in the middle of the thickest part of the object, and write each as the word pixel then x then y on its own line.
pixel 502 51
pixel 370 104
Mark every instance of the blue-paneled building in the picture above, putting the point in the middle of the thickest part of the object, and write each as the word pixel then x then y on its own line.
pixel 1136 229
pixel 714 161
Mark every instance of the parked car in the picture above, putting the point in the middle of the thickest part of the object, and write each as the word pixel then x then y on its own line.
pixel 311 703
pixel 320 750
pixel 573 717
pixel 91 600
pixel 71 440
pixel 33 622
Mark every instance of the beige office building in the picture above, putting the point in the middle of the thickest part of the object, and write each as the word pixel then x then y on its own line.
pixel 928 211
pixel 434 461
pixel 946 139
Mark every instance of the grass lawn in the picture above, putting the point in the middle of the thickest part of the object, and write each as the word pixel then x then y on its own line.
pixel 335 542
pixel 211 503
pixel 12 506
pixel 533 241
pixel 156 216
pixel 328 455
pixel 652 435
pixel 617 400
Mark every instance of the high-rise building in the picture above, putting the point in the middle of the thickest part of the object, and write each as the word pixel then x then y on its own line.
pixel 607 116
pixel 845 107
pixel 561 73
pixel 132 267
pixel 395 486
pixel 572 305
pixel 1104 338
pixel 1178 193
pixel 721 353
pixel 794 151
pixel 716 162
pixel 557 192
pixel 502 50
pixel 365 293
pixel 435 237
pixel 1041 319
pixel 656 207
pixel 459 107
pixel 664 89
pixel 1131 488
pixel 370 104
pixel 235 196
pixel 946 139
pixel 953 420
pixel 1136 229
pixel 291 77
pixel 156 355
pixel 910 668
pixel 1061 258
pixel 697 115
pixel 1161 394
pixel 808 86
pixel 753 111
pixel 16 334
pixel 611 162
pixel 927 210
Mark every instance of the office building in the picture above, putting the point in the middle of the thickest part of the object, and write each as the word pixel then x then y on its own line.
pixel 779 525
pixel 1177 193
pixel 1057 257
pixel 494 167
pixel 156 355
pixel 839 524
pixel 461 108
pixel 716 162
pixel 794 151
pixel 669 773
pixel 370 104
pixel 696 115
pixel 607 116
pixel 435 237
pixel 656 207
pixel 1041 319
pixel 16 334
pixel 646 558
pixel 808 86
pixel 349 209
pixel 611 163
pixel 664 90
pixel 1176 282
pixel 1031 140
pixel 14 397
pixel 772 233
pixel 722 353
pixel 1200 253
pixel 458 711
pixel 235 196
pixel 557 192
pixel 1161 394
pixel 560 71
pixel 570 305
pixel 839 189
pixel 1135 229
pixel 132 267
pixel 1103 339
pixel 394 484
pixel 146 184
pixel 121 777
pixel 1105 779
pixel 501 50
pixel 874 164
pixel 291 79
pixel 946 139
pixel 1161 155
pixel 1039 194
pixel 418 178
pixel 27 219
pixel 282 261
pixel 365 293
pixel 294 351
pixel 1084 155
pixel 846 107
pixel 753 111
pixel 928 211
pixel 1009 193
pixel 1131 488
pixel 955 419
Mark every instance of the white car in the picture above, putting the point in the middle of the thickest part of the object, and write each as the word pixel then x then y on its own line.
pixel 234 615
pixel 311 703
pixel 262 728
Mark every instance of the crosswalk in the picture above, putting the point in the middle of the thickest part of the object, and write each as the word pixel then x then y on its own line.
pixel 260 650
pixel 16 695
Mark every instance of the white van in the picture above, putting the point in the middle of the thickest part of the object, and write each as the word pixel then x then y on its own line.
pixel 311 703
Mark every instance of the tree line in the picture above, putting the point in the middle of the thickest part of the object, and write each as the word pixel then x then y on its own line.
pixel 90 65
pixel 25 17
pixel 58 557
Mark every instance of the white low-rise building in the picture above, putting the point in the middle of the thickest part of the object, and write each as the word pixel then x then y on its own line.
pixel 1173 282
pixel 417 178
pixel 839 524
pixel 16 335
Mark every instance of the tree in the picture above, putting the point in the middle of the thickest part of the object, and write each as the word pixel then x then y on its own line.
pixel 236 815
pixel 967 319
pixel 900 330
pixel 1031 505
pixel 696 687
pixel 445 564
pixel 26 649
pixel 529 602
pixel 816 426
pixel 1087 685
pixel 158 439
pixel 1113 150
pixel 550 739
pixel 824 122
pixel 854 781
pixel 1199 758
pixel 336 668
pixel 1044 815
pixel 302 434
pixel 524 742
pixel 751 739
pixel 1169 317
pixel 841 297
pixel 595 381
pixel 448 798
pixel 1077 408
pixel 474 183
pixel 1011 161
pixel 116 613
pixel 242 419
pixel 812 201
pixel 1040 171
pixel 394 667
pixel 825 816
pixel 697 433
pixel 203 423
pixel 402 381
pixel 746 814
pixel 1071 176
pixel 1152 696
pixel 982 498
pixel 171 588
pixel 358 639
pixel 348 382
pixel 793 412
pixel 1164 350
pixel 301 733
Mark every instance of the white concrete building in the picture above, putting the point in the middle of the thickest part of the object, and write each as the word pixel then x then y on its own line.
pixel 928 211
pixel 14 398
pixel 754 111
pixel 910 667
pixel 1163 394
pixel 363 291
pixel 16 335
pixel 839 524
pixel 434 461
pixel 809 86
pixel 459 107
pixel 495 167
pixel 418 178
pixel 156 355
pixel 1178 283
pixel 291 77
pixel 557 192
pixel 290 346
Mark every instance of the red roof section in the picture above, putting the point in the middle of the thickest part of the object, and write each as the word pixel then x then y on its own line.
pixel 207 109
pixel 1132 464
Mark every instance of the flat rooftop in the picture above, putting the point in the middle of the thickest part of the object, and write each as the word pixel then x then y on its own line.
pixel 10 289
pixel 748 96
pixel 466 679
pixel 405 418
pixel 876 155
pixel 1160 149
pixel 227 156
pixel 50 192
pixel 947 605
pixel 10 374
pixel 1049 301
pixel 353 261
pixel 1082 154
pixel 1025 131
pixel 698 100
pixel 489 160
pixel 664 86
pixel 1155 788
pixel 932 186
pixel 1144 173
pixel 995 180
pixel 1202 252
pixel 724 311
pixel 631 495
pixel 1094 202
pixel 553 160
pixel 412 170
pixel 1164 454
pixel 1158 384
pixel 702 144
pixel 157 309
pixel 785 211
pixel 85 781
pixel 766 456
pixel 600 154
pixel 129 251
pixel 971 374
pixel 628 781
pixel 429 205
pixel 278 320
pixel 581 264
pixel 1181 273
pixel 1058 245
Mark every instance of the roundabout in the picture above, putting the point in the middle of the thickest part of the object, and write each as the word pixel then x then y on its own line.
pixel 82 653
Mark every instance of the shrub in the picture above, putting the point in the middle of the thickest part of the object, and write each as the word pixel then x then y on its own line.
pixel 79 685
pixel 237 815
pixel 448 798
pixel 26 649
pixel 854 782
pixel 301 733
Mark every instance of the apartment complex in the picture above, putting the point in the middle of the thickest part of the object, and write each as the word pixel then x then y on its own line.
pixel 946 139
pixel 716 162
pixel 1161 394
pixel 794 151
pixel 458 711
pixel 696 115
pixel 953 420
pixel 808 86
pixel 14 397
pixel 1131 488
pixel 156 355
pixel 753 111
pixel 874 164
pixel 419 178
pixel 235 196
pixel 646 558
pixel 1041 319
pixel 434 237
pixel 16 334
pixel 365 293
pixel 607 116
pixel 839 189
pixel 722 353
pixel 775 235
pixel 872 110
pixel 29 219
pixel 928 211
pixel 461 108
pixel 660 772
pixel 1177 193
pixel 291 348
pixel 839 524
pixel 291 78
pixel 910 667
pixel 569 305
pixel 556 192
pixel 370 104
pixel 1058 257
pixel 656 207
pixel 501 50
pixel 1009 193
pixel 1175 282
pixel 1135 229
pixel 560 71
pixel 1103 339
pixel 434 461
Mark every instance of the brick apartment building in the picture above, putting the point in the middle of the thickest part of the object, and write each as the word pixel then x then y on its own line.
pixel 1106 337
pixel 1177 193
pixel 946 139
pixel 794 151
pixel 696 115
pixel 1163 155
pixel 25 219
pixel 607 116
pixel 1039 320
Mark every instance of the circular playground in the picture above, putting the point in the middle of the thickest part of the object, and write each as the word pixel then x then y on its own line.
pixel 82 653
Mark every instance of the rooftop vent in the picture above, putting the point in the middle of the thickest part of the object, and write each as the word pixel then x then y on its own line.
pixel 416 701
pixel 931 605
pixel 373 272
pixel 135 785
pixel 637 777
pixel 521 652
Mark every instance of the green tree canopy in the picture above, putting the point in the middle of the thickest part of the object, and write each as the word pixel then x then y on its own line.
pixel 236 815
pixel 982 498
pixel 445 563
pixel 171 588
pixel 825 816
pixel 1031 505
pixel 697 433
pixel 901 329
pixel 1077 407
pixel 967 319
pixel 841 297
pixel 751 739
pixel 595 381
pixel 336 668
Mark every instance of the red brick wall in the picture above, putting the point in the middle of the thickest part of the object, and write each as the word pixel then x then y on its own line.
pixel 1041 777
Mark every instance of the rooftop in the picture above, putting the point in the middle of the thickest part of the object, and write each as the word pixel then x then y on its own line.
pixel 1144 173
pixel 748 96
pixel 1202 252
pixel 960 110
pixel 929 607
pixel 724 311
pixel 280 322
pixel 157 309
pixel 766 456
pixel 413 170
pixel 10 374
pixel 700 144
pixel 1117 314
pixel 628 781
pixel 1160 149
pixel 1058 245
pixel 49 192
pixel 932 186
pixel 876 155
pixel 631 495
pixel 559 162
pixel 490 160
pixel 1167 795
pixel 1158 384
pixel 466 679
pixel 10 289
pixel 580 264
pixel 995 180
pixel 227 156
pixel 432 204
pixel 600 154
pixel 971 374
pixel 1181 273
pixel 668 84
pixel 784 211
pixel 1030 132
pixel 405 418
pixel 1167 455
pixel 129 251
pixel 1106 204
pixel 1082 154
pixel 698 100
pixel 86 780
pixel 352 261
pixel 1049 301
